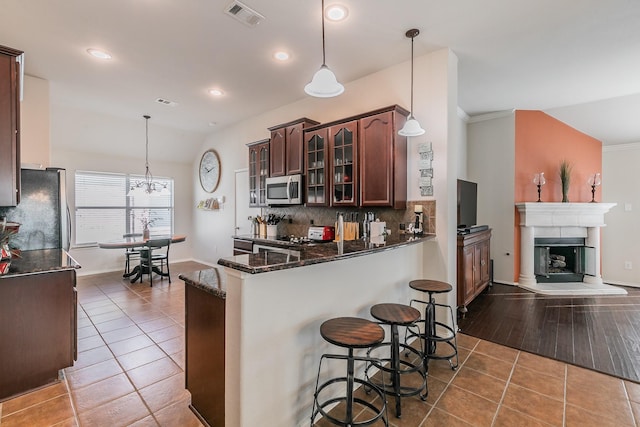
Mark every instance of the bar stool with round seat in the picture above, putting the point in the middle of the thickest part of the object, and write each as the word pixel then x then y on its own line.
pixel 351 333
pixel 434 332
pixel 394 366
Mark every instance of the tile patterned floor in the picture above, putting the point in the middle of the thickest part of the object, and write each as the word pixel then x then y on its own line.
pixel 130 371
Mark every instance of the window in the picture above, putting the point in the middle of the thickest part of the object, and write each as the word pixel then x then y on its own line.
pixel 105 212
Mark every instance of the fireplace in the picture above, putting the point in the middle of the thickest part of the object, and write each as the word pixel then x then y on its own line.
pixel 562 259
pixel 560 248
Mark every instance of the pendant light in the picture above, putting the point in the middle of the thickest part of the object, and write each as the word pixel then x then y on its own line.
pixel 324 83
pixel 411 127
pixel 148 186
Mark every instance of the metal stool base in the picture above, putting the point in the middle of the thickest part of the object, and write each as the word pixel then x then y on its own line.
pixel 430 338
pixel 349 400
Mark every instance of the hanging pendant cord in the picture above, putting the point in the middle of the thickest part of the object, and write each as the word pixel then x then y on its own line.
pixel 323 54
pixel 412 76
pixel 147 174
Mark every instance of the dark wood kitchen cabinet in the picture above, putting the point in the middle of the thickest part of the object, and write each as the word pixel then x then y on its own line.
pixel 286 147
pixel 383 159
pixel 258 172
pixel 38 324
pixel 365 161
pixel 316 151
pixel 474 260
pixel 9 126
pixel 205 329
pixel 343 149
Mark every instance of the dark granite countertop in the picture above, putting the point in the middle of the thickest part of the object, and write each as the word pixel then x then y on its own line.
pixel 40 261
pixel 313 253
pixel 211 281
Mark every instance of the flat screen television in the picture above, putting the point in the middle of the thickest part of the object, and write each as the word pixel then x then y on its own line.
pixel 467 204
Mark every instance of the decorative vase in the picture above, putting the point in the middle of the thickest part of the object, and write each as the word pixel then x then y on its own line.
pixel 145 233
pixel 565 179
pixel 565 192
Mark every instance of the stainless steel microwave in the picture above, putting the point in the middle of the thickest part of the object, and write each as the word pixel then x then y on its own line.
pixel 284 190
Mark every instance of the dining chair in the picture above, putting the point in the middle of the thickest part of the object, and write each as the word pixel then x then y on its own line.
pixel 154 257
pixel 131 254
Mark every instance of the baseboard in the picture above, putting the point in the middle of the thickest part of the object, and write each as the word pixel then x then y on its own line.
pixel 83 272
pixel 503 282
pixel 620 283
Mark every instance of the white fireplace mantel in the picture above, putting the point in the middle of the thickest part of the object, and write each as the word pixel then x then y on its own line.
pixel 561 220
pixel 563 214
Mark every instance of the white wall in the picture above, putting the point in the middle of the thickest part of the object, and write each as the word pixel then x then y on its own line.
pixel 491 163
pixel 435 105
pixel 621 235
pixel 34 122
pixel 77 128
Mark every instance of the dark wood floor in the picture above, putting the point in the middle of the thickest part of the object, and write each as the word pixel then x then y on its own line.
pixel 600 333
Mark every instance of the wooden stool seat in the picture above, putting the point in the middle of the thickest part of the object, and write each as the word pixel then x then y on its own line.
pixel 431 286
pixel 395 314
pixel 351 332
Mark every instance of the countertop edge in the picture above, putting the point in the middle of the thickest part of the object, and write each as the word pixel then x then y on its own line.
pixel 203 282
pixel 285 266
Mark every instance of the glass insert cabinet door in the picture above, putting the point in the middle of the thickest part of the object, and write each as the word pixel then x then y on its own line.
pixel 258 172
pixel 316 166
pixel 344 167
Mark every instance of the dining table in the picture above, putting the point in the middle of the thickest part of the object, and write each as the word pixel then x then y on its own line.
pixel 139 242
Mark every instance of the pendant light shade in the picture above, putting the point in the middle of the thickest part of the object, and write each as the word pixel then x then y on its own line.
pixel 324 83
pixel 411 127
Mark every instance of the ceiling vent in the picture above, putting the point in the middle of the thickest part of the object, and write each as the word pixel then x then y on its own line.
pixel 166 102
pixel 243 13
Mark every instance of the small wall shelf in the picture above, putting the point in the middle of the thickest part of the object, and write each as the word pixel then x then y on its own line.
pixel 211 204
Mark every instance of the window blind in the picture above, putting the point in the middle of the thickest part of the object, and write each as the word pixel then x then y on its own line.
pixel 104 210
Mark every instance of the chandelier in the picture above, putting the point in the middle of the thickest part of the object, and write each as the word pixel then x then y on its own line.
pixel 148 185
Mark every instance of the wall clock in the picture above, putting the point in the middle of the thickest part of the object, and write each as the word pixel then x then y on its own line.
pixel 209 171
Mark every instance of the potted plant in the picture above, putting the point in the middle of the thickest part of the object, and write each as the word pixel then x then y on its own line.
pixel 146 221
pixel 565 179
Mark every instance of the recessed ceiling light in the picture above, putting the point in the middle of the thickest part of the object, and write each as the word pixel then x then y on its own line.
pixel 99 53
pixel 216 92
pixel 336 12
pixel 281 55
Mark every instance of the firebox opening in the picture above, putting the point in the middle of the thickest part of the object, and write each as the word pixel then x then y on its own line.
pixel 560 259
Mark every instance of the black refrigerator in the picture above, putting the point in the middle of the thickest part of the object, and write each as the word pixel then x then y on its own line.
pixel 42 212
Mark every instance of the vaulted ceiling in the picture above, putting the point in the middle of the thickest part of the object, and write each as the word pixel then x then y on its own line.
pixel 578 60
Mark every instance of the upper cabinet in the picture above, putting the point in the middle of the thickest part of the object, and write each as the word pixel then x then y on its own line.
pixel 286 147
pixel 9 126
pixel 316 147
pixel 383 159
pixel 366 164
pixel 258 172
pixel 343 142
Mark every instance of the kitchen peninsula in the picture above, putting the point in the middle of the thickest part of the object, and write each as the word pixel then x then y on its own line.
pixel 273 307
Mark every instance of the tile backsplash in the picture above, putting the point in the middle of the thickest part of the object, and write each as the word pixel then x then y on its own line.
pixel 299 218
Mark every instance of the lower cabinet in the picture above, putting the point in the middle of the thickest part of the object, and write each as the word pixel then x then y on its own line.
pixel 205 354
pixel 38 324
pixel 242 247
pixel 474 266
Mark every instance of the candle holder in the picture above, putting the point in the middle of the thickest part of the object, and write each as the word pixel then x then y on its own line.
pixel 539 181
pixel 594 181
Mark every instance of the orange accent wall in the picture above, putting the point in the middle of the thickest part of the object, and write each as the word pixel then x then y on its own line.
pixel 541 143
